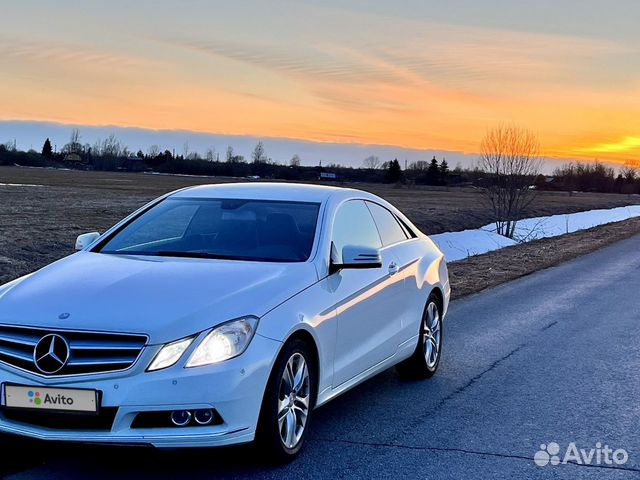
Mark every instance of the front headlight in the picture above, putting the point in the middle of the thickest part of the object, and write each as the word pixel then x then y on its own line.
pixel 224 342
pixel 169 354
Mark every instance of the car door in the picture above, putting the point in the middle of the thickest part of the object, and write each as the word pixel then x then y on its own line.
pixel 408 252
pixel 367 299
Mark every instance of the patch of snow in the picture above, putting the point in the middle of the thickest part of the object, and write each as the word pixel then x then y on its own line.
pixel 545 227
pixel 19 185
pixel 460 245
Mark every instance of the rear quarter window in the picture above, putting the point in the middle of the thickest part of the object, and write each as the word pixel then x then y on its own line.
pixel 390 229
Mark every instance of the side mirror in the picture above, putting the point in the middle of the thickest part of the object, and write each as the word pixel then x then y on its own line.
pixel 354 256
pixel 86 239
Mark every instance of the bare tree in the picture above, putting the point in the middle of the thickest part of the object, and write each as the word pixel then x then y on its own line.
pixel 510 158
pixel 210 154
pixel 232 157
pixel 629 172
pixel 372 162
pixel 419 165
pixel 295 161
pixel 11 146
pixel 74 145
pixel 153 151
pixel 111 147
pixel 258 155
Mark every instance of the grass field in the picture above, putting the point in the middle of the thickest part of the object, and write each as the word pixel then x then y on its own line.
pixel 39 224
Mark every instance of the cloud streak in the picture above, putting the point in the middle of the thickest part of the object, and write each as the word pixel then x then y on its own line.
pixel 627 144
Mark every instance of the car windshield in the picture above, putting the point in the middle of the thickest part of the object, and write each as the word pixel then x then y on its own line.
pixel 257 230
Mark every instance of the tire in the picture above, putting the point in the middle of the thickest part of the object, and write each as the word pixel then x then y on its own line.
pixel 286 412
pixel 426 358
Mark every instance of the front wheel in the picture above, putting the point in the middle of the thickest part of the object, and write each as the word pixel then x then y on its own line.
pixel 287 405
pixel 426 358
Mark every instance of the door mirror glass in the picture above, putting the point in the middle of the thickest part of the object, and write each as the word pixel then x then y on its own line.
pixel 86 239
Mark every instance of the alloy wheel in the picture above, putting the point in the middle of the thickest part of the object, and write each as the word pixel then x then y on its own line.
pixel 293 400
pixel 431 335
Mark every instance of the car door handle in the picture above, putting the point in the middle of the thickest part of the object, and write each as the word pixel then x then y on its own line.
pixel 393 268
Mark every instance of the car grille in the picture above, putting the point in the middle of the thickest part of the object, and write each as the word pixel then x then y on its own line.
pixel 89 352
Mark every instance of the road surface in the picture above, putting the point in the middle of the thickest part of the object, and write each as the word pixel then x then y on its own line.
pixel 552 357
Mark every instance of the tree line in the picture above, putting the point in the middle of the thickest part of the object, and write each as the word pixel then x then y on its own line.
pixel 111 154
pixel 593 177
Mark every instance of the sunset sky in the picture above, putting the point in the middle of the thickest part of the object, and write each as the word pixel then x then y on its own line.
pixel 414 74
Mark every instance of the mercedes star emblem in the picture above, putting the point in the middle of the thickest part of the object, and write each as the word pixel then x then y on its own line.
pixel 51 353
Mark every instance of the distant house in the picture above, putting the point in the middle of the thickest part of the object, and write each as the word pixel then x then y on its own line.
pixel 134 164
pixel 73 158
pixel 328 176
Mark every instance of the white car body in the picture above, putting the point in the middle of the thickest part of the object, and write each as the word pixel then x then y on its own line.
pixel 360 322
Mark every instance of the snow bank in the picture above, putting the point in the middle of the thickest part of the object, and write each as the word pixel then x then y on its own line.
pixel 19 185
pixel 544 227
pixel 459 245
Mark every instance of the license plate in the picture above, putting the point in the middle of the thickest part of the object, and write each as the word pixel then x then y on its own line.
pixel 44 398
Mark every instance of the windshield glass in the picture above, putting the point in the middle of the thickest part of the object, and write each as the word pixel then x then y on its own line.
pixel 258 230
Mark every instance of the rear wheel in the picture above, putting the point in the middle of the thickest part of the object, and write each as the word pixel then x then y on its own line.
pixel 287 404
pixel 426 358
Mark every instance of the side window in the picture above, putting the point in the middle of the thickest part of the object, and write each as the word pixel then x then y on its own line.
pixel 353 225
pixel 390 230
pixel 408 232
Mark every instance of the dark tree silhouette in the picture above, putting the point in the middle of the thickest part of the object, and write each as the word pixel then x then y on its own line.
pixel 444 168
pixel 433 172
pixel 394 171
pixel 47 151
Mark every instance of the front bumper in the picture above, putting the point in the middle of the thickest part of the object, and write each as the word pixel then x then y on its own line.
pixel 233 388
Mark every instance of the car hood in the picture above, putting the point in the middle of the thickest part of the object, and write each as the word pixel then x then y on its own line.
pixel 164 298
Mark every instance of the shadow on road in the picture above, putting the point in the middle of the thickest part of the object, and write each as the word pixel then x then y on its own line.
pixel 349 414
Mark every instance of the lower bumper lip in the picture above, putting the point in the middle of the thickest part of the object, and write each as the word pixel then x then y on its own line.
pixel 178 439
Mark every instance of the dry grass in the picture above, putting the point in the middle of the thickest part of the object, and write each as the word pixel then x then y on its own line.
pixel 39 224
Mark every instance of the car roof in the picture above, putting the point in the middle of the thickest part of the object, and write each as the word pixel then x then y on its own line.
pixel 300 192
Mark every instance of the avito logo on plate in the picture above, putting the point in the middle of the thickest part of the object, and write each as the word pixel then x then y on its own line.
pixel 37 399
pixel 34 397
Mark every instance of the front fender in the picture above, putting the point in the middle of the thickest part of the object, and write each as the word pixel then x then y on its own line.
pixel 307 311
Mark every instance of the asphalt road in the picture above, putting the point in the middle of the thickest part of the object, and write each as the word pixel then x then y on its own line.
pixel 553 357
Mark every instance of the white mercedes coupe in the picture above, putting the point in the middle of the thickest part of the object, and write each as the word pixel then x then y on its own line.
pixel 218 315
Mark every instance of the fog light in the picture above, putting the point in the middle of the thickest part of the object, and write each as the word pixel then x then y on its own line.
pixel 180 418
pixel 203 417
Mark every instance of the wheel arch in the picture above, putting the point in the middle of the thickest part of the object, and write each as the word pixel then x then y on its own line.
pixel 439 294
pixel 305 336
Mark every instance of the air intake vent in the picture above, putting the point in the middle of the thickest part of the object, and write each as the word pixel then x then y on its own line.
pixel 85 352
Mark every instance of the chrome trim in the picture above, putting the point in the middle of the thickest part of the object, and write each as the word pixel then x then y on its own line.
pixel 83 346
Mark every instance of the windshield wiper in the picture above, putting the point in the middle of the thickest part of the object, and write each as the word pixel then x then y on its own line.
pixel 172 253
pixel 206 255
